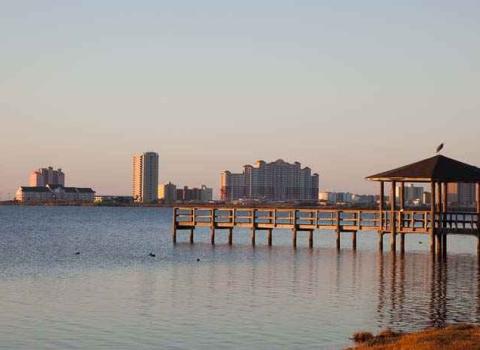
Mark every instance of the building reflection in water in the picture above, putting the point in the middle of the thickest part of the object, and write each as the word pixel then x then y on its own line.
pixel 417 290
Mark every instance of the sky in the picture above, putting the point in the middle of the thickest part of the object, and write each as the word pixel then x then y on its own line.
pixel 348 88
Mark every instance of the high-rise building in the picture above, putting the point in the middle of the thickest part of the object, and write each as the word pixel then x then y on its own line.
pixel 145 177
pixel 47 176
pixel 461 194
pixel 167 193
pixel 275 181
pixel 195 194
pixel 411 194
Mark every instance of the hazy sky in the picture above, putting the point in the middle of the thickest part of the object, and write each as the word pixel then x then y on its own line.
pixel 348 88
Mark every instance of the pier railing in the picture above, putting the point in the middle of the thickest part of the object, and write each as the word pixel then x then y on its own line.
pixel 406 221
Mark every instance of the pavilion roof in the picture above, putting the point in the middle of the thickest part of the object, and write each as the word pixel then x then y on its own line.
pixel 438 168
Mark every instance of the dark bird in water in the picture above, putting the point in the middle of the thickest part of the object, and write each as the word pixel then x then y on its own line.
pixel 440 147
pixel 420 242
pixel 152 255
pixel 198 259
pixel 77 253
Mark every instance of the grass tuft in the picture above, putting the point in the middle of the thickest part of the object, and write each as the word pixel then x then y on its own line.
pixel 453 337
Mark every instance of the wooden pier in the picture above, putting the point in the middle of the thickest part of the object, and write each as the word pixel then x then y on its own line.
pixel 339 221
pixel 392 217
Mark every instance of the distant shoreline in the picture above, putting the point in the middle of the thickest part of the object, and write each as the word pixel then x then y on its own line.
pixel 208 205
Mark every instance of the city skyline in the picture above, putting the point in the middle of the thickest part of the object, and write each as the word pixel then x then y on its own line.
pixel 342 88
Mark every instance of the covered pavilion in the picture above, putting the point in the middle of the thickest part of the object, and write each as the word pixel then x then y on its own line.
pixel 439 220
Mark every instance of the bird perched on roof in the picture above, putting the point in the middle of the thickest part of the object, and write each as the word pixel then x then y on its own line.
pixel 440 147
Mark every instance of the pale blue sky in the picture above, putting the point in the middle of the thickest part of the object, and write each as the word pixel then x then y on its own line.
pixel 346 87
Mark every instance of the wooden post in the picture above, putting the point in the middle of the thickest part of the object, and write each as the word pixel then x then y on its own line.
pixel 338 229
pixel 174 228
pixel 310 239
pixel 478 205
pixel 212 226
pixel 354 240
pixel 380 241
pixel 402 242
pixel 212 235
pixel 230 236
pixel 402 205
pixel 445 203
pixel 253 233
pixel 381 203
pixel 439 235
pixel 191 235
pixel 294 230
pixel 432 217
pixel 393 228
pixel 478 246
pixel 478 218
pixel 444 215
pixel 269 238
pixel 438 243
pixel 440 198
pixel 402 195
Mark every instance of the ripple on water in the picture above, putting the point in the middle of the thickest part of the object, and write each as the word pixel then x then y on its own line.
pixel 114 296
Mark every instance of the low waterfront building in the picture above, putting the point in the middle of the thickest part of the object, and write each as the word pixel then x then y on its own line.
pixel 346 198
pixel 54 193
pixel 114 200
pixel 364 199
pixel 33 194
pixel 327 197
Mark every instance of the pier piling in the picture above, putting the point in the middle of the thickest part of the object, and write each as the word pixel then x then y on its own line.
pixel 212 235
pixel 230 236
pixel 380 241
pixel 393 219
pixel 438 243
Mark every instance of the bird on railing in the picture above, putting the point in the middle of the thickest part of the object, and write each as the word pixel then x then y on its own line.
pixel 440 147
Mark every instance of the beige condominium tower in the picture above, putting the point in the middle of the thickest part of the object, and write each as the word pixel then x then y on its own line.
pixel 145 177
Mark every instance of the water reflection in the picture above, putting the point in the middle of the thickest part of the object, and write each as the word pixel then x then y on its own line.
pixel 420 291
pixel 235 297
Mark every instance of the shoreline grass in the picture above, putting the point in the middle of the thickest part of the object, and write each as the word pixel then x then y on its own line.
pixel 452 337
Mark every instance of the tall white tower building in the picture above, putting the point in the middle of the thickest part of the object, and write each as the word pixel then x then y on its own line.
pixel 145 177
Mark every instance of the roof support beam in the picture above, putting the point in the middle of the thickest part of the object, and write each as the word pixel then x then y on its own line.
pixel 432 217
pixel 393 219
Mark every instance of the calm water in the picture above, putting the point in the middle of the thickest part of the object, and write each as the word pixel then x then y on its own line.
pixel 114 296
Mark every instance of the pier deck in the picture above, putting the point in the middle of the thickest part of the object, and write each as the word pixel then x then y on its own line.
pixel 337 220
